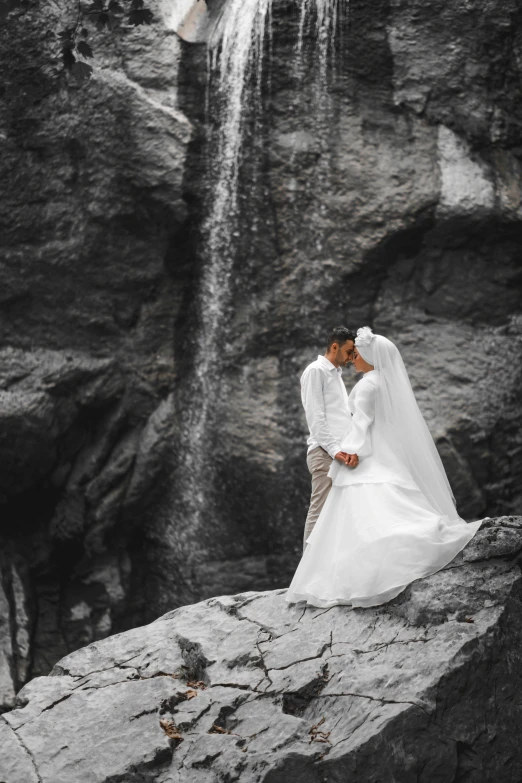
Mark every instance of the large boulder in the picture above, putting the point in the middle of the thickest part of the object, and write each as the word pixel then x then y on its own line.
pixel 249 688
pixel 386 190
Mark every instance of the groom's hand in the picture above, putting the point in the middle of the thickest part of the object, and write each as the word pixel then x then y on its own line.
pixel 350 460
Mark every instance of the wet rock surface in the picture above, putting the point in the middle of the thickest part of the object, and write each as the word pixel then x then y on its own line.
pixel 249 688
pixel 397 202
pixel 90 194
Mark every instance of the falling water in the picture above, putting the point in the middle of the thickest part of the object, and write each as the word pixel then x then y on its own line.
pixel 235 58
pixel 322 15
pixel 313 65
pixel 236 49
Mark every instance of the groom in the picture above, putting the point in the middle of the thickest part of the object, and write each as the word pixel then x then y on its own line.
pixel 325 401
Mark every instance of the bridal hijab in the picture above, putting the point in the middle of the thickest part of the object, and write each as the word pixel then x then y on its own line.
pixel 400 422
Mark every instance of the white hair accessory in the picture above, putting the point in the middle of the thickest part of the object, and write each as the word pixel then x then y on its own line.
pixel 364 343
pixel 364 336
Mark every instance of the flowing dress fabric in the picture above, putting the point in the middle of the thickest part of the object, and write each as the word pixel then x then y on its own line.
pixel 377 531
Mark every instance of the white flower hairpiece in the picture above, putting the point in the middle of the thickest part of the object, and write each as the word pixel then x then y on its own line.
pixel 365 336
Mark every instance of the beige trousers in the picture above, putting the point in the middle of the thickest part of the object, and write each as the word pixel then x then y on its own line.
pixel 318 462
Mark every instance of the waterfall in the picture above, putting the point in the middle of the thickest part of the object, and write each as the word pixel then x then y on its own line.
pixel 235 59
pixel 236 68
pixel 322 16
pixel 318 24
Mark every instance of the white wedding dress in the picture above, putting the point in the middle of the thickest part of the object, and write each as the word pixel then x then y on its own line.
pixel 378 531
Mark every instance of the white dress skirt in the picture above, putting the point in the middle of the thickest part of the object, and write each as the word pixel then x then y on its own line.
pixel 376 533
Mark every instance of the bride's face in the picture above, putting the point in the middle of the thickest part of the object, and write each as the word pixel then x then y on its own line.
pixel 359 363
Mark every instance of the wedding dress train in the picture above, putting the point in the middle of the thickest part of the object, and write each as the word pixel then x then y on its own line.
pixel 390 520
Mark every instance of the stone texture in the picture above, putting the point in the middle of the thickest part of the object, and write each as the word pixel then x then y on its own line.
pixel 248 688
pixel 395 202
pixel 90 194
pixel 7 691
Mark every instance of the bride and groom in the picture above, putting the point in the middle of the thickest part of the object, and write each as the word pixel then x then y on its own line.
pixel 382 512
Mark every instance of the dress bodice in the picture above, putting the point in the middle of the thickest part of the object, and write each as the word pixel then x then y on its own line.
pixel 377 461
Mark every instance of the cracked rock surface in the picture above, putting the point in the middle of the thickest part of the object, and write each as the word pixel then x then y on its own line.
pixel 249 688
pixel 397 203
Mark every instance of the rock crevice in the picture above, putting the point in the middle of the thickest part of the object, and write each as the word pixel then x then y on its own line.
pixel 406 691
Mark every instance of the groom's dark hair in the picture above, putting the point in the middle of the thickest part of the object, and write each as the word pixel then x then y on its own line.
pixel 339 334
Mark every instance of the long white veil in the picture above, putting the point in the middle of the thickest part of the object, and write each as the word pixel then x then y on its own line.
pixel 400 422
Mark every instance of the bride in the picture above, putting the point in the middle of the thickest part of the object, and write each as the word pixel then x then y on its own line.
pixel 392 519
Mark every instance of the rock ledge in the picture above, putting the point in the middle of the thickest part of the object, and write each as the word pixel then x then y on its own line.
pixel 247 688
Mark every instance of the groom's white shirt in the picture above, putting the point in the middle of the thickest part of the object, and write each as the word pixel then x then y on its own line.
pixel 325 401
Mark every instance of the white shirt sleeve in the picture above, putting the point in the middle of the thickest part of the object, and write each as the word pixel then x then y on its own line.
pixel 358 440
pixel 313 403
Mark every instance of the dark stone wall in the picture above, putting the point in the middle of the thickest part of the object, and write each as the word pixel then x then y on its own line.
pixel 394 200
pixel 90 196
pixel 372 206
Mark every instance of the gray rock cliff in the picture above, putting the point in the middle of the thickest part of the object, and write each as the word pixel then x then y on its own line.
pixel 249 688
pixel 91 193
pixel 393 198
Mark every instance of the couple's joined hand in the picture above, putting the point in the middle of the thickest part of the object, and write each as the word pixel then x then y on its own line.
pixel 350 460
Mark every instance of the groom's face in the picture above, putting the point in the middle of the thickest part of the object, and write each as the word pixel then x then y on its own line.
pixel 345 353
